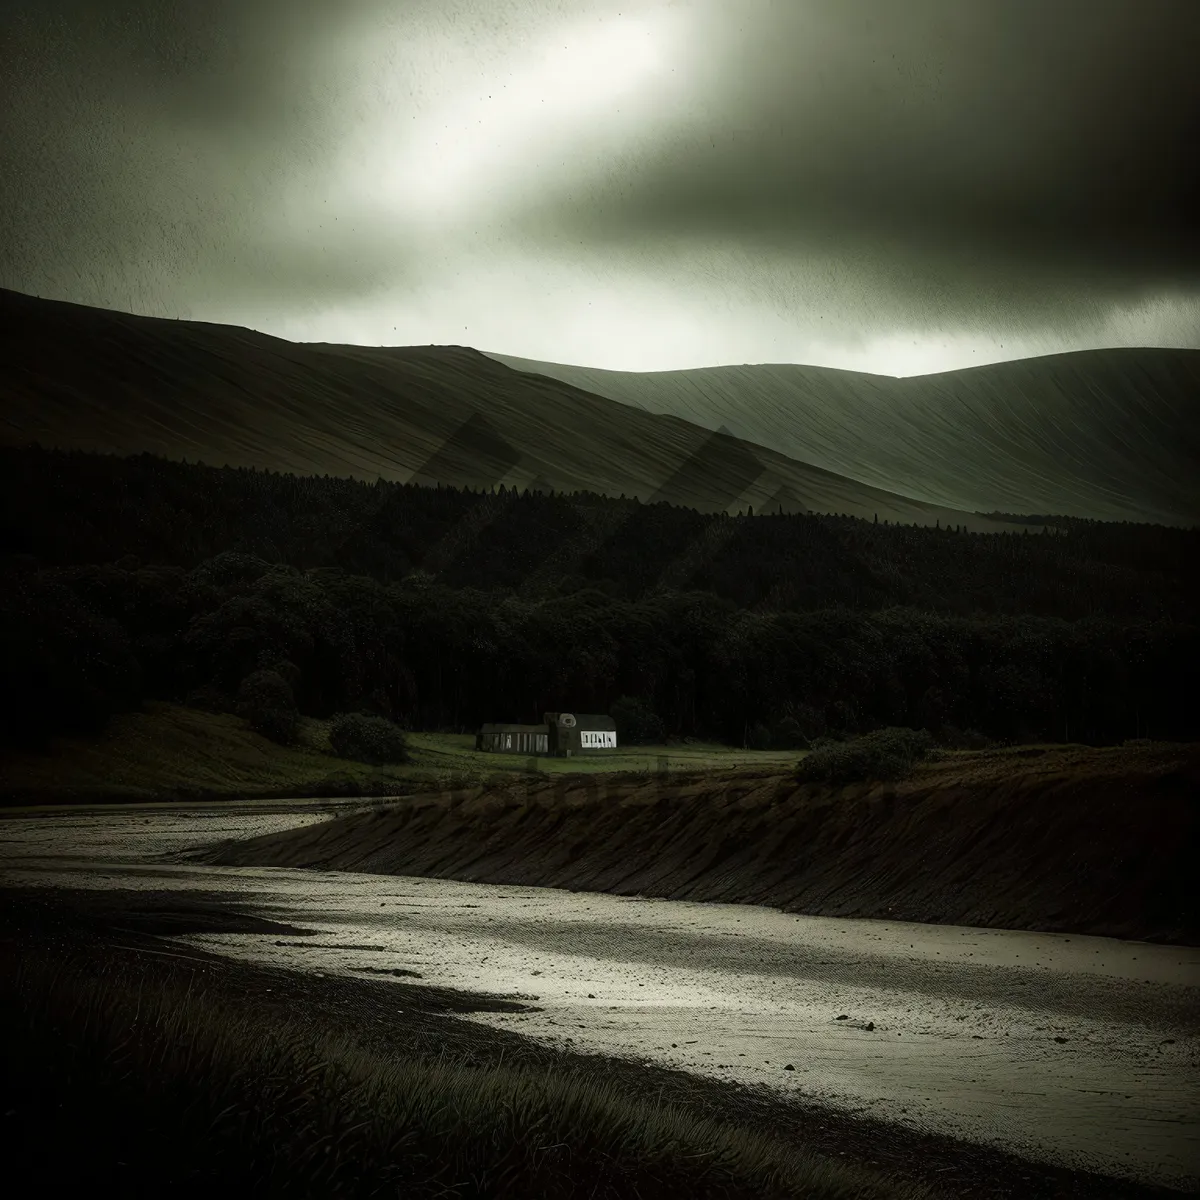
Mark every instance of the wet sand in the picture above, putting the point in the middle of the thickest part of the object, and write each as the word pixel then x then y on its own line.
pixel 933 1039
pixel 397 1017
pixel 1068 1050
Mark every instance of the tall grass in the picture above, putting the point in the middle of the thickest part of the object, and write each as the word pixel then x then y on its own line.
pixel 157 1087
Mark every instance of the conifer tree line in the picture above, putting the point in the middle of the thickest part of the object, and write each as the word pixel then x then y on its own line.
pixel 130 578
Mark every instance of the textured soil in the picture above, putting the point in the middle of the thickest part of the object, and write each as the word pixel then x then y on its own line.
pixel 1061 839
pixel 128 928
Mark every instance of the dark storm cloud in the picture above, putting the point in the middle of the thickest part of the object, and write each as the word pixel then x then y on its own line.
pixel 848 165
pixel 150 145
pixel 998 147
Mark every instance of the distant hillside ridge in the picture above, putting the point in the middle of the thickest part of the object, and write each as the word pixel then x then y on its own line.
pixel 81 378
pixel 73 508
pixel 1105 434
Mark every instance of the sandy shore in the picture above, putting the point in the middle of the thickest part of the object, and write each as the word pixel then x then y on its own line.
pixel 395 1017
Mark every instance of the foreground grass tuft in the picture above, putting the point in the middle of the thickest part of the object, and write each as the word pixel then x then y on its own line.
pixel 157 1088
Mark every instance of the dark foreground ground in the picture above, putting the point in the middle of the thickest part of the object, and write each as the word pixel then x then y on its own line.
pixel 93 933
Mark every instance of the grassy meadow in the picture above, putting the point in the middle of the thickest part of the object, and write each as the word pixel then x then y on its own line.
pixel 170 752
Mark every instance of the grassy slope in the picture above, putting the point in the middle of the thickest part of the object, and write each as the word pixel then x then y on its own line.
pixel 171 752
pixel 162 1083
pixel 1067 839
pixel 84 378
pixel 1112 434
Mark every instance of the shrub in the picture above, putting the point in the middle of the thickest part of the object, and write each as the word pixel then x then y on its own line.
pixel 289 671
pixel 266 702
pixel 637 723
pixel 368 739
pixel 884 754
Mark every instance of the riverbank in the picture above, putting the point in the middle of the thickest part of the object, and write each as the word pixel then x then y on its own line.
pixel 112 942
pixel 1053 839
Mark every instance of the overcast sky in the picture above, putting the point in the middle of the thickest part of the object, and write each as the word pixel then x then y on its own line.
pixel 889 185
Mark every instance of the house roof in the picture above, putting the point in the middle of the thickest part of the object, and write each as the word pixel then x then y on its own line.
pixel 594 721
pixel 586 721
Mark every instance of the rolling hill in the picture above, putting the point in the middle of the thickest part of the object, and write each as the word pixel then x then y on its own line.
pixel 109 382
pixel 1109 434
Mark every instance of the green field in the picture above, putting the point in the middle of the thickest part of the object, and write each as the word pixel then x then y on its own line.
pixel 458 751
pixel 168 752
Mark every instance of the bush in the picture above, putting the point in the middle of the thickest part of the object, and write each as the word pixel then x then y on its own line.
pixel 289 672
pixel 265 700
pixel 368 739
pixel 637 723
pixel 885 754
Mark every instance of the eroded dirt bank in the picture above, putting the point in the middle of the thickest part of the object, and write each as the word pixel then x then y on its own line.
pixel 1072 839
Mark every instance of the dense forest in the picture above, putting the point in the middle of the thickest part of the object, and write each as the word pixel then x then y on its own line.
pixel 129 578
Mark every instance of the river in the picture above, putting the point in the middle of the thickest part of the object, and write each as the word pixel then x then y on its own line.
pixel 1076 1051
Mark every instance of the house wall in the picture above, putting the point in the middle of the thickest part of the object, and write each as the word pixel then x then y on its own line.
pixel 598 739
pixel 528 740
pixel 550 738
